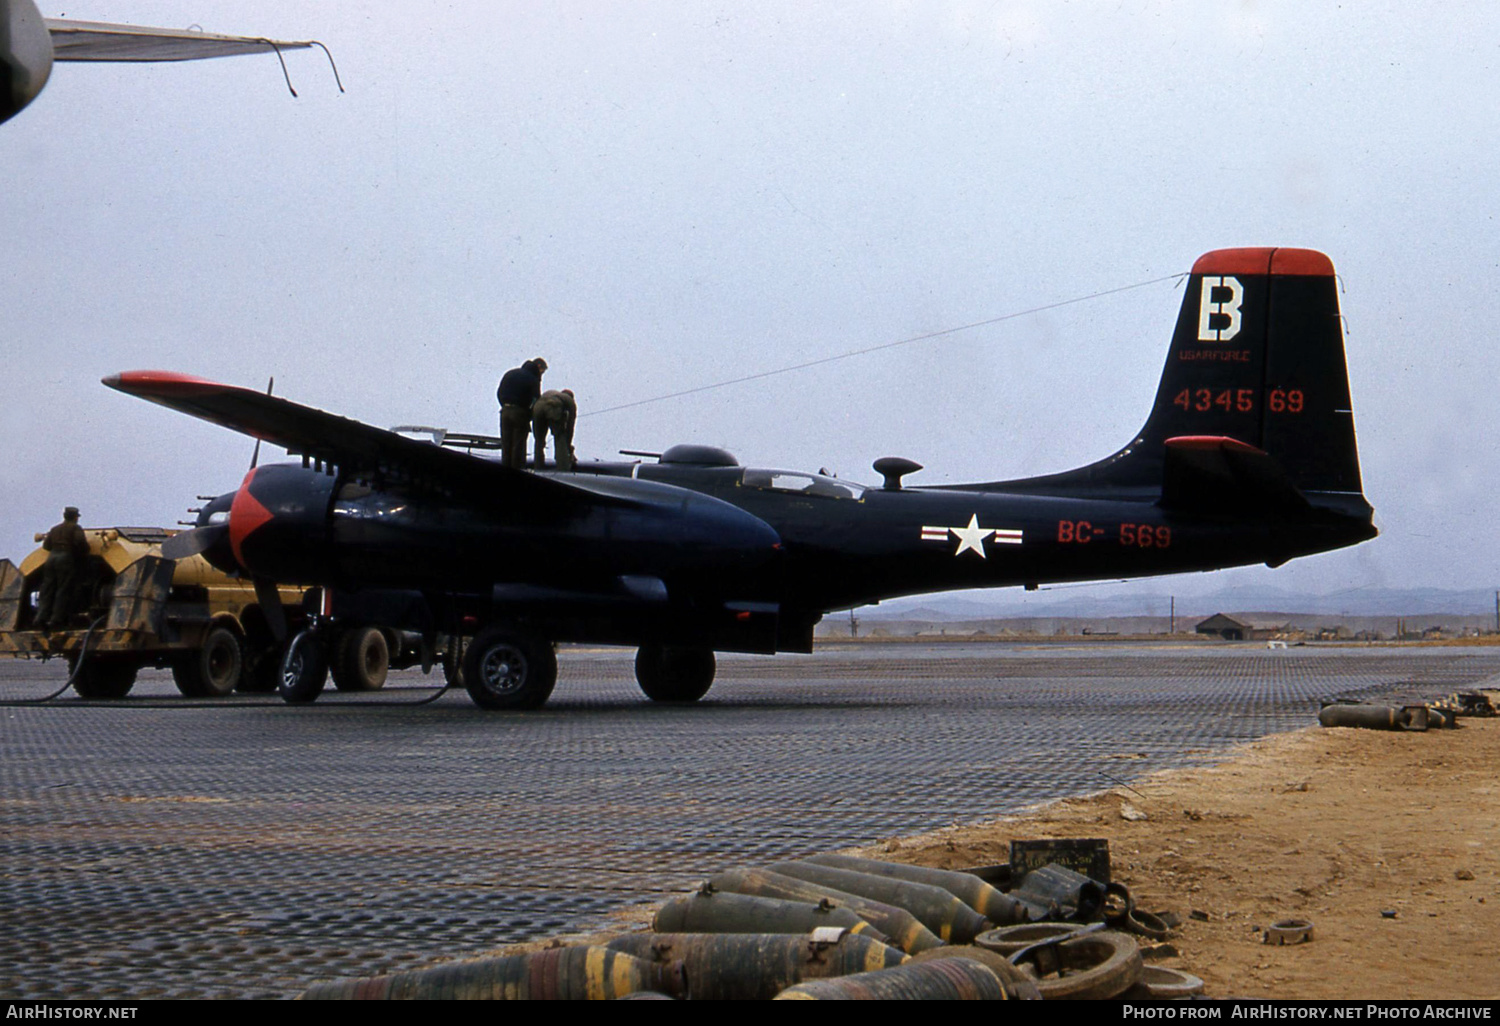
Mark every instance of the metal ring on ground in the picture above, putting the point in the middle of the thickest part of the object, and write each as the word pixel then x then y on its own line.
pixel 1099 966
pixel 1147 924
pixel 1118 903
pixel 1158 983
pixel 1289 931
pixel 1007 940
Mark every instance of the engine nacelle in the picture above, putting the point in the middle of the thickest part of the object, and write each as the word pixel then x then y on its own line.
pixel 278 525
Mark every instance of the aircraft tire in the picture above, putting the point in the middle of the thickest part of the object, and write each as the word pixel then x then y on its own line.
pixel 674 674
pixel 304 670
pixel 362 660
pixel 212 670
pixel 105 678
pixel 506 668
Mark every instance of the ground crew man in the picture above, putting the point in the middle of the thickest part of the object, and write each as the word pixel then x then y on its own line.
pixel 555 411
pixel 518 392
pixel 67 547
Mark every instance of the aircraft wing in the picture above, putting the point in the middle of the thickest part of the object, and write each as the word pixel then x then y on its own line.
pixel 30 44
pixel 99 41
pixel 381 456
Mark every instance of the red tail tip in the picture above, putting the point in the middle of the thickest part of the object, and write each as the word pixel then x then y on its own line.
pixel 1265 260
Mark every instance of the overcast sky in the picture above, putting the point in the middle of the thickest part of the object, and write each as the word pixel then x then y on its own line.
pixel 657 196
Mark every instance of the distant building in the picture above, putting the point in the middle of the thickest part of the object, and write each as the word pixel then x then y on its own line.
pixel 1222 625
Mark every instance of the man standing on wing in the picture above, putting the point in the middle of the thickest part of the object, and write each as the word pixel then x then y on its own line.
pixel 518 392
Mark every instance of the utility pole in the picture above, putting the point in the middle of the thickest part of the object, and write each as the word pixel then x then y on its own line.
pixel 1173 629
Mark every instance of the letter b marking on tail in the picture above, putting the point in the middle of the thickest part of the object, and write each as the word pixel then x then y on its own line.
pixel 1230 308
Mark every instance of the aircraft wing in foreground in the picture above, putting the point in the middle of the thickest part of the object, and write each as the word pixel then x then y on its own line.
pixel 30 44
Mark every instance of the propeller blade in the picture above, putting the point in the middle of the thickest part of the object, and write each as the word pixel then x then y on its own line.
pixel 255 456
pixel 192 543
pixel 269 600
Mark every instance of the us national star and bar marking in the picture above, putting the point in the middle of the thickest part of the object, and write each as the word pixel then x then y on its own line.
pixel 971 538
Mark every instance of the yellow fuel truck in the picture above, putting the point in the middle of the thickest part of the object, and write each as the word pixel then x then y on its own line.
pixel 146 610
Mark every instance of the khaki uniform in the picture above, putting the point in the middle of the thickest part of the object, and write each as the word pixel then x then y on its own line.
pixel 514 420
pixel 555 412
pixel 67 547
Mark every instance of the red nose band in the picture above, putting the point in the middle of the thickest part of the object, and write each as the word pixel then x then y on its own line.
pixel 245 515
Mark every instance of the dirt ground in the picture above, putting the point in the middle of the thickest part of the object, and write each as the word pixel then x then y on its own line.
pixel 1389 843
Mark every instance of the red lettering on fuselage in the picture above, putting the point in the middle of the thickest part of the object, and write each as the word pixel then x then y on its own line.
pixel 1077 532
pixel 1140 536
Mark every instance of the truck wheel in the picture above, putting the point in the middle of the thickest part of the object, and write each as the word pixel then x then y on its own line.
pixel 304 670
pixel 215 669
pixel 262 671
pixel 674 674
pixel 506 668
pixel 104 678
pixel 363 660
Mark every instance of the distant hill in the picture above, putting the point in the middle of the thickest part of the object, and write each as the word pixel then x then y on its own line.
pixel 1071 603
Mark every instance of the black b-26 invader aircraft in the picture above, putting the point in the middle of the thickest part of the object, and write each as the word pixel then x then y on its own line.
pixel 1248 456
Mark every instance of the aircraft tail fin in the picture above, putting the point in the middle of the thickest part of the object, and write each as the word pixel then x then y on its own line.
pixel 1258 356
pixel 1257 360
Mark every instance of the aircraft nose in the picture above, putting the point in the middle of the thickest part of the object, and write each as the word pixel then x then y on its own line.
pixel 728 527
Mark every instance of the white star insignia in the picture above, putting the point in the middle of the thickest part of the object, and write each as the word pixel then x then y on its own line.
pixel 972 537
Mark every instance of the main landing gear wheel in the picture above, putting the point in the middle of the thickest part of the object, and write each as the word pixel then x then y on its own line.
pixel 674 674
pixel 362 661
pixel 505 668
pixel 304 670
pixel 214 670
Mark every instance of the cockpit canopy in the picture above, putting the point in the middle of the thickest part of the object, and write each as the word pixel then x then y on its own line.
pixel 805 484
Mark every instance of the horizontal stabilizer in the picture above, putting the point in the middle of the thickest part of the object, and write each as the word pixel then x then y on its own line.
pixel 1212 473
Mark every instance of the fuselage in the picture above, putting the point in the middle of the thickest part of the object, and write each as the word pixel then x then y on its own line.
pixel 748 557
pixel 848 545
